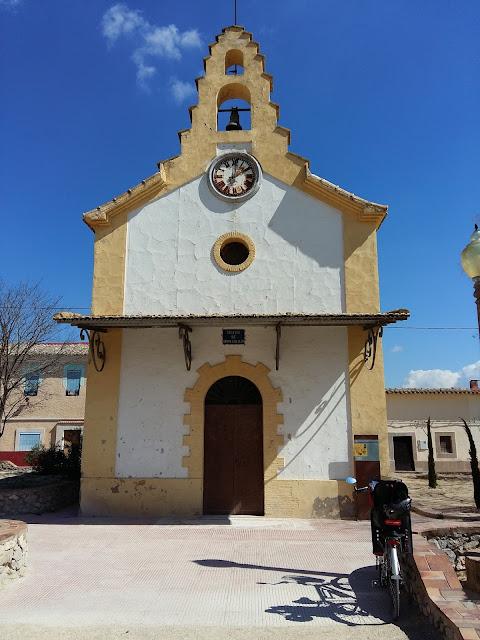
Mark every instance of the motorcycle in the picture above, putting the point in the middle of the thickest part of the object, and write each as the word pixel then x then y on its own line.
pixel 391 531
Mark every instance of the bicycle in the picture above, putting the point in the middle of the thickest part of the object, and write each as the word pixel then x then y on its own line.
pixel 391 532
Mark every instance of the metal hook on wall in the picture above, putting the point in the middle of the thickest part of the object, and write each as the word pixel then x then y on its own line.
pixel 370 348
pixel 183 331
pixel 97 347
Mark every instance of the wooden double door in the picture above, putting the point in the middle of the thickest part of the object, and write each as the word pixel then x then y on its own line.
pixel 233 478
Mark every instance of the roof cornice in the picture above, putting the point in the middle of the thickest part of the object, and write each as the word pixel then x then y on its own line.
pixel 131 199
pixel 344 200
pixel 315 186
pixel 365 320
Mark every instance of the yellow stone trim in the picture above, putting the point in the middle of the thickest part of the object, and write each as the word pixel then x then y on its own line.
pixel 367 395
pixel 136 196
pixel 151 497
pixel 227 238
pixel 182 497
pixel 208 375
pixel 101 411
pixel 309 499
pixel 109 253
pixel 361 266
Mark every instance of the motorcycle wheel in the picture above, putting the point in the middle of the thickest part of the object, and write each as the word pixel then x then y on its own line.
pixel 394 588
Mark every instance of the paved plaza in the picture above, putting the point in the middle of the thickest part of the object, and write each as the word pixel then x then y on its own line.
pixel 242 577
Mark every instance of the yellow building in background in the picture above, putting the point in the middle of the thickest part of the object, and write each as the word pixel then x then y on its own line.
pixel 52 401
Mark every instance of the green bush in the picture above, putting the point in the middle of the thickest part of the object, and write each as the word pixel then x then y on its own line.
pixel 54 461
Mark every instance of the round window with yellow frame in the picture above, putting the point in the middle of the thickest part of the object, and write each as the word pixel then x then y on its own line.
pixel 234 251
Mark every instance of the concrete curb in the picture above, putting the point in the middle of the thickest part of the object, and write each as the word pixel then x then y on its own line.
pixel 441 515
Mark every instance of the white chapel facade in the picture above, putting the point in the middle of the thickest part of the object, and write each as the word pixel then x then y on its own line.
pixel 233 294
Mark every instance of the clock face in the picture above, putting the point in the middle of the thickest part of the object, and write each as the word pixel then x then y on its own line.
pixel 234 176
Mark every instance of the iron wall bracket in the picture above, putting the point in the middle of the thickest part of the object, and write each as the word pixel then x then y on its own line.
pixel 97 346
pixel 278 330
pixel 183 331
pixel 370 348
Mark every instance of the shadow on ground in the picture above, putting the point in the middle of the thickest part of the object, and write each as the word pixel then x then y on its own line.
pixel 71 516
pixel 348 599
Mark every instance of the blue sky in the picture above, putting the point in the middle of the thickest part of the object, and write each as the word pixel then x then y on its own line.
pixel 381 96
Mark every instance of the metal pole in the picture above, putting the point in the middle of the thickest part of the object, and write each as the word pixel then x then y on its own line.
pixel 235 12
pixel 476 295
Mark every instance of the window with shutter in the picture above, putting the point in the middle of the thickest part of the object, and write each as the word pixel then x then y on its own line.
pixel 31 383
pixel 74 378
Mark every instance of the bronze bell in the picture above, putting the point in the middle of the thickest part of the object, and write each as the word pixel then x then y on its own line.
pixel 234 124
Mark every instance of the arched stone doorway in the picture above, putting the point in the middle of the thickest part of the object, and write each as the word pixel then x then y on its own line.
pixel 233 448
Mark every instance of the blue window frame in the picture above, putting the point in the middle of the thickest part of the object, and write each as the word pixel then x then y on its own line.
pixel 32 379
pixel 31 383
pixel 73 378
pixel 28 440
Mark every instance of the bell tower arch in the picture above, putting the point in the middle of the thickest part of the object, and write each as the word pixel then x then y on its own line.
pixel 234 71
pixel 234 62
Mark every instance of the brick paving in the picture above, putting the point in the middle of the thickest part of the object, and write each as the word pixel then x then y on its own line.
pixel 239 573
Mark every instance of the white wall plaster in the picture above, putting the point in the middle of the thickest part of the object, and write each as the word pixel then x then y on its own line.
pixel 313 370
pixel 299 254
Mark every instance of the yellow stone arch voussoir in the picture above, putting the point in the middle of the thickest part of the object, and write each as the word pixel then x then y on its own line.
pixel 208 375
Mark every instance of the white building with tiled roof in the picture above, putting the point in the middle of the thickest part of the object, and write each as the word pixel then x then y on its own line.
pixel 408 411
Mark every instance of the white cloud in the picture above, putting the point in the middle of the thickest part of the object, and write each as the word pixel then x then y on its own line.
pixel 437 378
pixel 191 38
pixel 119 20
pixel 431 378
pixel 144 73
pixel 151 41
pixel 397 348
pixel 163 42
pixel 10 3
pixel 181 90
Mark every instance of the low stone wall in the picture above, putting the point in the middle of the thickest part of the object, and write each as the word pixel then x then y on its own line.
pixel 457 545
pixel 38 498
pixel 432 583
pixel 472 566
pixel 13 550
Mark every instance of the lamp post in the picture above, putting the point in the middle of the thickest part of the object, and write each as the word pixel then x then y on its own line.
pixel 471 266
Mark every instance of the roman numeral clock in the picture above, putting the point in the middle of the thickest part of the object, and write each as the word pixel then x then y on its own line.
pixel 234 177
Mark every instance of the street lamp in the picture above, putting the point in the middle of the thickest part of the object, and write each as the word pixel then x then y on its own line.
pixel 471 266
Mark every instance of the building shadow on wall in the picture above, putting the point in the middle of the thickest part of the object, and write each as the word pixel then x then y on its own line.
pixel 342 505
pixel 318 418
pixel 305 228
